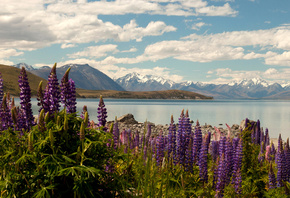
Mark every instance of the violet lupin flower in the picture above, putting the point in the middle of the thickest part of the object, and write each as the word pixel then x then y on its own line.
pixel 159 148
pixel 102 114
pixel 1 88
pixel 68 93
pixel 116 134
pixel 202 162
pixel 261 156
pixel 72 99
pixel 197 142
pixel 136 140
pixel 228 160
pixel 281 166
pixel 237 166
pixel 180 150
pixel 287 160
pixel 51 97
pixel 172 139
pixel 221 177
pixel 272 178
pixel 214 151
pixel 5 115
pixel 25 99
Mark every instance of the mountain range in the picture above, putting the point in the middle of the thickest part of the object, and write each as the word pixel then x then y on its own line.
pixel 247 88
pixel 87 77
pixel 84 76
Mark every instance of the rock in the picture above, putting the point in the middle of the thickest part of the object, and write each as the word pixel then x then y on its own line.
pixel 127 119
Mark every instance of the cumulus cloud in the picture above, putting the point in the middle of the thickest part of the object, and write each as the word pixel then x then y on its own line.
pixel 198 26
pixel 220 46
pixel 95 51
pixel 36 24
pixel 67 45
pixel 160 7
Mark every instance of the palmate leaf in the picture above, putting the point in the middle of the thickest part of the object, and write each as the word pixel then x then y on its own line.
pixel 80 170
pixel 44 192
pixel 23 159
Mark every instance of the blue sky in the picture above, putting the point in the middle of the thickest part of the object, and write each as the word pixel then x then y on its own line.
pixel 215 41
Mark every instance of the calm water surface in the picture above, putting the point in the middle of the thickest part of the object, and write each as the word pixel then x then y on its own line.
pixel 273 114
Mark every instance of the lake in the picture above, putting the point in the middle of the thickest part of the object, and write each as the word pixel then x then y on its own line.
pixel 273 114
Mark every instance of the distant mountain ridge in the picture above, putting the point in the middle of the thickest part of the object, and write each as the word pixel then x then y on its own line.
pixel 247 88
pixel 87 77
pixel 84 76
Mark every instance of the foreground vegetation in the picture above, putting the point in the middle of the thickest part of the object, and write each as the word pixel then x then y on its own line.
pixel 64 154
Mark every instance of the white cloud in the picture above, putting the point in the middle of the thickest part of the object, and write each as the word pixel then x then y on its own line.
pixel 198 26
pixel 95 51
pixel 67 45
pixel 153 7
pixel 6 53
pixel 279 59
pixel 6 62
pixel 133 49
pixel 33 25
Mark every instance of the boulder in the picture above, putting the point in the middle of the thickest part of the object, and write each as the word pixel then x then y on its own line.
pixel 127 119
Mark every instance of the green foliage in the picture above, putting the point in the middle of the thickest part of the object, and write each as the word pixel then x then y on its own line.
pixel 55 162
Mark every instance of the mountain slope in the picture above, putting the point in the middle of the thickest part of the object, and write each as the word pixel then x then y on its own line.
pixel 85 77
pixel 10 80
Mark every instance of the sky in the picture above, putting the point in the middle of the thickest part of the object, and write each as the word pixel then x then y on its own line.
pixel 213 41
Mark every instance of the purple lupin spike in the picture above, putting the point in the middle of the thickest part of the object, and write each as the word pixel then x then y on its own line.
pixel 281 162
pixel 214 150
pixel 237 165
pixel 179 140
pixel 5 115
pixel 197 142
pixel 272 178
pixel 25 99
pixel 171 138
pixel 51 97
pixel 102 114
pixel 228 160
pixel 221 177
pixel 1 88
pixel 72 99
pixel 159 148
pixel 202 162
pixel 116 134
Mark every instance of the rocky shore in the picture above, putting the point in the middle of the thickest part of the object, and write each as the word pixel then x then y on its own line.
pixel 128 122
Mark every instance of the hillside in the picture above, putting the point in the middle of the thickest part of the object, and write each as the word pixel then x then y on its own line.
pixel 84 76
pixel 168 94
pixel 10 80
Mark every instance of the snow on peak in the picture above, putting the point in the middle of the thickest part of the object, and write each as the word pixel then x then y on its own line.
pixel 146 78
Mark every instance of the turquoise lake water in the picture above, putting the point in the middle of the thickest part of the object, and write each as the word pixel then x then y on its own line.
pixel 273 114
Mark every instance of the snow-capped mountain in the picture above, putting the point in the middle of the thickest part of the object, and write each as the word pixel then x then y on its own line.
pixel 247 88
pixel 26 66
pixel 138 82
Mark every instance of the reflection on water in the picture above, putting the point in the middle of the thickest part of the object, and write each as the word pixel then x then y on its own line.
pixel 273 114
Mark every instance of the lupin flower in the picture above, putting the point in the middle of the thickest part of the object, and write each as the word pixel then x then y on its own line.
pixel 25 99
pixel 1 88
pixel 51 97
pixel 228 159
pixel 221 177
pixel 159 148
pixel 68 93
pixel 214 151
pixel 237 165
pixel 172 139
pixel 281 166
pixel 197 142
pixel 116 134
pixel 272 178
pixel 202 161
pixel 5 115
pixel 238 182
pixel 261 155
pixel 102 114
pixel 180 150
